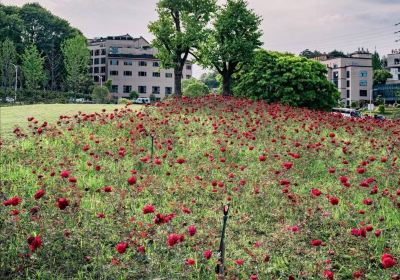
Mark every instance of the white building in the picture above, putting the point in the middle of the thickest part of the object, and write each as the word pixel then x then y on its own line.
pixel 393 64
pixel 131 65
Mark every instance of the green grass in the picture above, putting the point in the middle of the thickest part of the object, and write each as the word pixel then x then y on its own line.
pixel 13 116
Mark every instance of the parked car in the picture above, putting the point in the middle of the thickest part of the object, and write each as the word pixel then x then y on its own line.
pixel 10 99
pixel 379 117
pixel 142 100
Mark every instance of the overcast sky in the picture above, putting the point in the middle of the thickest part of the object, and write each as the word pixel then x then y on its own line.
pixel 288 25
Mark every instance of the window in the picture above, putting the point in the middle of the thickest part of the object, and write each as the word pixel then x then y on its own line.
pixel 103 69
pixel 363 92
pixel 188 76
pixel 114 88
pixel 348 83
pixel 142 74
pixel 363 83
pixel 168 90
pixel 127 73
pixel 91 53
pixel 363 74
pixel 142 63
pixel 103 51
pixel 96 70
pixel 156 74
pixel 142 89
pixel 96 61
pixel 113 50
pixel 113 73
pixel 348 93
pixel 127 62
pixel 348 74
pixel 189 67
pixel 155 90
pixel 127 89
pixel 113 62
pixel 168 75
pixel 335 75
pixel 103 60
pixel 396 61
pixel 156 64
pixel 90 70
pixel 97 52
pixel 96 79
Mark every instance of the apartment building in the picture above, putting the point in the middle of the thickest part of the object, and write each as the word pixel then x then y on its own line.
pixel 393 64
pixel 130 63
pixel 352 75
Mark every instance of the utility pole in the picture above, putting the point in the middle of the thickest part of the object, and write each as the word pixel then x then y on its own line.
pixel 101 80
pixel 397 32
pixel 16 81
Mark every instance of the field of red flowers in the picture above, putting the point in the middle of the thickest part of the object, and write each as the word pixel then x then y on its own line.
pixel 139 194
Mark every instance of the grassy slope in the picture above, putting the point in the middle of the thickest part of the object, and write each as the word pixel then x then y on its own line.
pixel 17 115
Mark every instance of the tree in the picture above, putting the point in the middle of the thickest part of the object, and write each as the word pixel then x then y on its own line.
pixel 108 84
pixel 32 68
pixel 231 42
pixel 310 54
pixel 210 79
pixel 381 76
pixel 285 78
pixel 8 57
pixel 179 29
pixel 76 61
pixel 335 54
pixel 101 94
pixel 194 88
pixel 376 61
pixel 133 95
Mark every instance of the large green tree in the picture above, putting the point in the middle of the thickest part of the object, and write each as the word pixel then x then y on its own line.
pixel 179 29
pixel 376 61
pixel 310 54
pixel 381 76
pixel 32 68
pixel 210 79
pixel 8 57
pixel 285 78
pixel 76 61
pixel 231 42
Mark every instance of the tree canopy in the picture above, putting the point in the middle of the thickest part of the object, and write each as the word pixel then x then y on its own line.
pixel 32 68
pixel 381 76
pixel 285 78
pixel 194 88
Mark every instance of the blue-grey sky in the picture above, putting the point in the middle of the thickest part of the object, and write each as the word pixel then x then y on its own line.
pixel 288 25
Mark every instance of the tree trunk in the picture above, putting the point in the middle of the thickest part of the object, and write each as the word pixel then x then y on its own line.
pixel 178 81
pixel 226 84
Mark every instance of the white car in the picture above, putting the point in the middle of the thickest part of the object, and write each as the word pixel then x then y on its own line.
pixel 9 99
pixel 142 100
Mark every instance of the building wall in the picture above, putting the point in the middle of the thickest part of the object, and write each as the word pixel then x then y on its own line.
pixel 393 66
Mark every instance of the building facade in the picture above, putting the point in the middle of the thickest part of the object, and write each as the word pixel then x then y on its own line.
pixel 393 64
pixel 352 75
pixel 130 63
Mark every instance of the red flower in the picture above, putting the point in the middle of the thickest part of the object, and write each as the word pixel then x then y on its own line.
pixel 368 201
pixel 121 247
pixel 72 179
pixel 357 274
pixel 387 261
pixel 141 249
pixel 360 170
pixel 34 242
pixel 100 215
pixel 132 180
pixel 65 173
pixel 190 262
pixel 148 209
pixel 107 189
pixel 334 200
pixel 62 203
pixel 328 274
pixel 39 194
pixel 239 261
pixel 378 232
pixel 180 160
pixel 192 230
pixel 14 201
pixel 157 161
pixel 262 158
pixel 316 192
pixel 253 277
pixel 207 254
pixel 174 239
pixel 332 170
pixel 316 242
pixel 288 165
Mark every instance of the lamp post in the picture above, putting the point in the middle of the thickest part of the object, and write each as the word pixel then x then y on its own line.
pixel 100 79
pixel 16 81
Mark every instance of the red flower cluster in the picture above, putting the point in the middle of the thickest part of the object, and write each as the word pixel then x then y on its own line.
pixel 387 261
pixel 174 239
pixel 14 201
pixel 34 242
pixel 62 203
pixel 148 209
pixel 121 247
pixel 39 194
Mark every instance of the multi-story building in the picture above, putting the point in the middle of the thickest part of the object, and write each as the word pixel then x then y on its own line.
pixel 130 63
pixel 393 64
pixel 352 75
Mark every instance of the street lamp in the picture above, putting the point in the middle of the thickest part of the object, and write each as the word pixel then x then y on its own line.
pixel 16 81
pixel 101 80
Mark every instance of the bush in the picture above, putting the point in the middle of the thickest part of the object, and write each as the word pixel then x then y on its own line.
pixel 381 109
pixel 194 88
pixel 124 101
pixel 133 95
pixel 42 96
pixel 101 95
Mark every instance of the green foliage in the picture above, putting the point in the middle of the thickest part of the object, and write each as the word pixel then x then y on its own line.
pixel 124 101
pixel 279 77
pixel 108 84
pixel 336 53
pixel 8 57
pixel 133 95
pixel 32 68
pixel 376 61
pixel 178 30
pixel 101 95
pixel 76 61
pixel 310 54
pixel 194 88
pixel 210 79
pixel 381 76
pixel 233 39
pixel 381 109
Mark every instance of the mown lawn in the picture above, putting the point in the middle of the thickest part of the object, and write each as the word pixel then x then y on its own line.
pixel 16 115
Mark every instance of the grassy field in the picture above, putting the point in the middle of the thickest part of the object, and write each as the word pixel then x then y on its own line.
pixel 138 193
pixel 17 115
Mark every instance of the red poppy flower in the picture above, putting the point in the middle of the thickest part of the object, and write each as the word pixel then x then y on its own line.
pixel 192 230
pixel 207 254
pixel 39 194
pixel 239 261
pixel 62 203
pixel 121 247
pixel 316 242
pixel 190 262
pixel 34 242
pixel 180 160
pixel 65 173
pixel 334 200
pixel 174 239
pixel 287 165
pixel 148 209
pixel 262 158
pixel 328 274
pixel 132 180
pixel 107 189
pixel 357 274
pixel 14 201
pixel 387 261
pixel 315 192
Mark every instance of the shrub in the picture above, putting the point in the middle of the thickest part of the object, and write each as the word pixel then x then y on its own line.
pixel 101 94
pixel 381 109
pixel 194 88
pixel 124 101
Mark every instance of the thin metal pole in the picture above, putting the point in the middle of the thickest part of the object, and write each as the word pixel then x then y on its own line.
pixel 221 252
pixel 16 82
